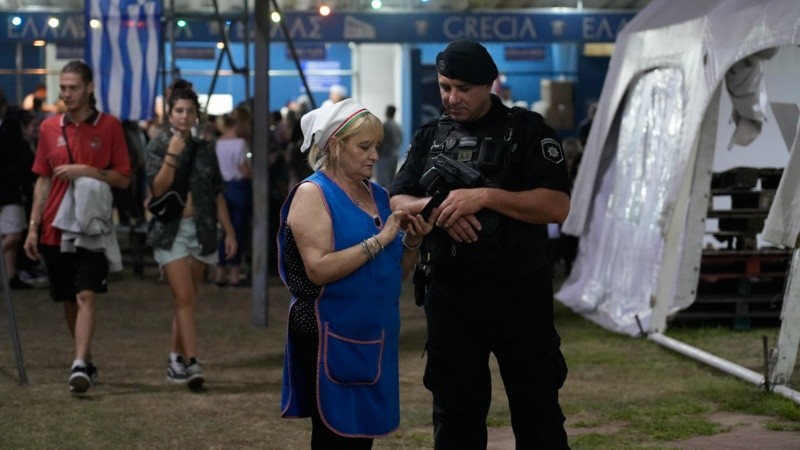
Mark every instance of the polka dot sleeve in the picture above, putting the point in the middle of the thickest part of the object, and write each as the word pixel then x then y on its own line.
pixel 302 317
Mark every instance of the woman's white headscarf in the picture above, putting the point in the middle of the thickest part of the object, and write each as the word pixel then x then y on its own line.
pixel 323 123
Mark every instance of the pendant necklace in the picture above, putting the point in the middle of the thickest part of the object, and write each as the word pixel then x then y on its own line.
pixel 376 219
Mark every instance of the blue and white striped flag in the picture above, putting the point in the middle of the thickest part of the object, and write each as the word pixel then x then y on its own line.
pixel 124 47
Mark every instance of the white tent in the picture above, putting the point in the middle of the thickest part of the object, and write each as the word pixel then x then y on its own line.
pixel 641 197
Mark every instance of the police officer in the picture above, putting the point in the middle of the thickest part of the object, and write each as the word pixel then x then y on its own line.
pixel 489 289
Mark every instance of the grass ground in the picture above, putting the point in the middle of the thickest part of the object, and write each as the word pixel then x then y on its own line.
pixel 621 392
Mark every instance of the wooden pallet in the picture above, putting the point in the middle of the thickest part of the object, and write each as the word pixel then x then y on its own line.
pixel 739 289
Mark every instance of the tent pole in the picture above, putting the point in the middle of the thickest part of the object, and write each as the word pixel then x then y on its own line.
pixel 683 235
pixel 721 364
pixel 784 355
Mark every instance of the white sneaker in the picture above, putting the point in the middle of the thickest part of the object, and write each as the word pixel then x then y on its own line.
pixel 195 375
pixel 79 380
pixel 176 371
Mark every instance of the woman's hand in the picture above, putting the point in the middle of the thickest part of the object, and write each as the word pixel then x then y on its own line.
pixel 415 226
pixel 418 227
pixel 392 226
pixel 230 246
pixel 177 144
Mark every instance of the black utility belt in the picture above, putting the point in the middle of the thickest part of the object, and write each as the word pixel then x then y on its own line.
pixel 462 263
pixel 493 247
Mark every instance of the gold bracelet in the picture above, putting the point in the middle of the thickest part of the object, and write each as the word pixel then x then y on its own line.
pixel 32 223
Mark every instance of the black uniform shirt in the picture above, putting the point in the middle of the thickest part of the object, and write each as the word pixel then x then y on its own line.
pixel 536 161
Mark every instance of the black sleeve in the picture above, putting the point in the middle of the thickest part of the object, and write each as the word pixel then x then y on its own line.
pixel 541 156
pixel 406 181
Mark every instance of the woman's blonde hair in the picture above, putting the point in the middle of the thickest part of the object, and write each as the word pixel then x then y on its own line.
pixel 367 126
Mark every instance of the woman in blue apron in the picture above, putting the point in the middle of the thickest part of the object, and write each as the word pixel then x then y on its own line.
pixel 343 254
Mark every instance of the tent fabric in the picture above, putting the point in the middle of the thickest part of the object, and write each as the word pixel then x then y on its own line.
pixel 700 41
pixel 745 84
pixel 782 226
pixel 630 212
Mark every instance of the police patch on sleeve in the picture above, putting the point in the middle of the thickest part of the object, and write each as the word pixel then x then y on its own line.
pixel 551 150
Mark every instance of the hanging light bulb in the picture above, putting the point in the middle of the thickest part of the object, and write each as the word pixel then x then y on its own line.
pixel 324 10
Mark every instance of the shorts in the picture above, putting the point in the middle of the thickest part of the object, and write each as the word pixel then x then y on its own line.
pixel 185 244
pixel 12 219
pixel 70 273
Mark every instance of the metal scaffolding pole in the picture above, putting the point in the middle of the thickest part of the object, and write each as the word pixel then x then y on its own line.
pixel 12 324
pixel 260 306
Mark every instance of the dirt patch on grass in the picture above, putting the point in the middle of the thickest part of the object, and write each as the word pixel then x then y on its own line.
pixel 746 431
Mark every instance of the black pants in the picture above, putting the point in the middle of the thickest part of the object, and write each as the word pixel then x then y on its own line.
pixel 322 438
pixel 514 321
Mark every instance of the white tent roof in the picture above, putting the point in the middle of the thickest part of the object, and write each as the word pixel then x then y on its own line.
pixel 635 178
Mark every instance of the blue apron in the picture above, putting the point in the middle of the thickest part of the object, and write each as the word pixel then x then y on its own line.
pixel 358 319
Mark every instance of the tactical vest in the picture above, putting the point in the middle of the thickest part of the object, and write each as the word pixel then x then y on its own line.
pixel 488 157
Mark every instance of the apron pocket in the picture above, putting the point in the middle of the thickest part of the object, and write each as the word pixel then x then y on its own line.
pixel 352 361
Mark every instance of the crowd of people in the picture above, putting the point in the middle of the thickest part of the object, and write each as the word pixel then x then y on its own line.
pixel 19 134
pixel 350 226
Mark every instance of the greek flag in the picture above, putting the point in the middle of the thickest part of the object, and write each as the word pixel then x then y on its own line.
pixel 123 44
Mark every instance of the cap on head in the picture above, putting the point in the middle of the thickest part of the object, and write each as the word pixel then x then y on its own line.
pixel 468 61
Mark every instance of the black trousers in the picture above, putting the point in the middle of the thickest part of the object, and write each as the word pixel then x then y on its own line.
pixel 513 321
pixel 322 438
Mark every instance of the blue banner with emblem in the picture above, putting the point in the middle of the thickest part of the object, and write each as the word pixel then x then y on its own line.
pixel 529 26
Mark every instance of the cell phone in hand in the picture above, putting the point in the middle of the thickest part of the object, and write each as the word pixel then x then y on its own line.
pixel 434 202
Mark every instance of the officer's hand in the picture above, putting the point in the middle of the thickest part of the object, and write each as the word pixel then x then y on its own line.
pixel 457 214
pixel 464 229
pixel 460 202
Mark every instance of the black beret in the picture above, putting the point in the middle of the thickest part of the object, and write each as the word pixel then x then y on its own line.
pixel 467 60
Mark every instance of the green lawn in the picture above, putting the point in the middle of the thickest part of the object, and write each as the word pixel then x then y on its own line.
pixel 621 392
